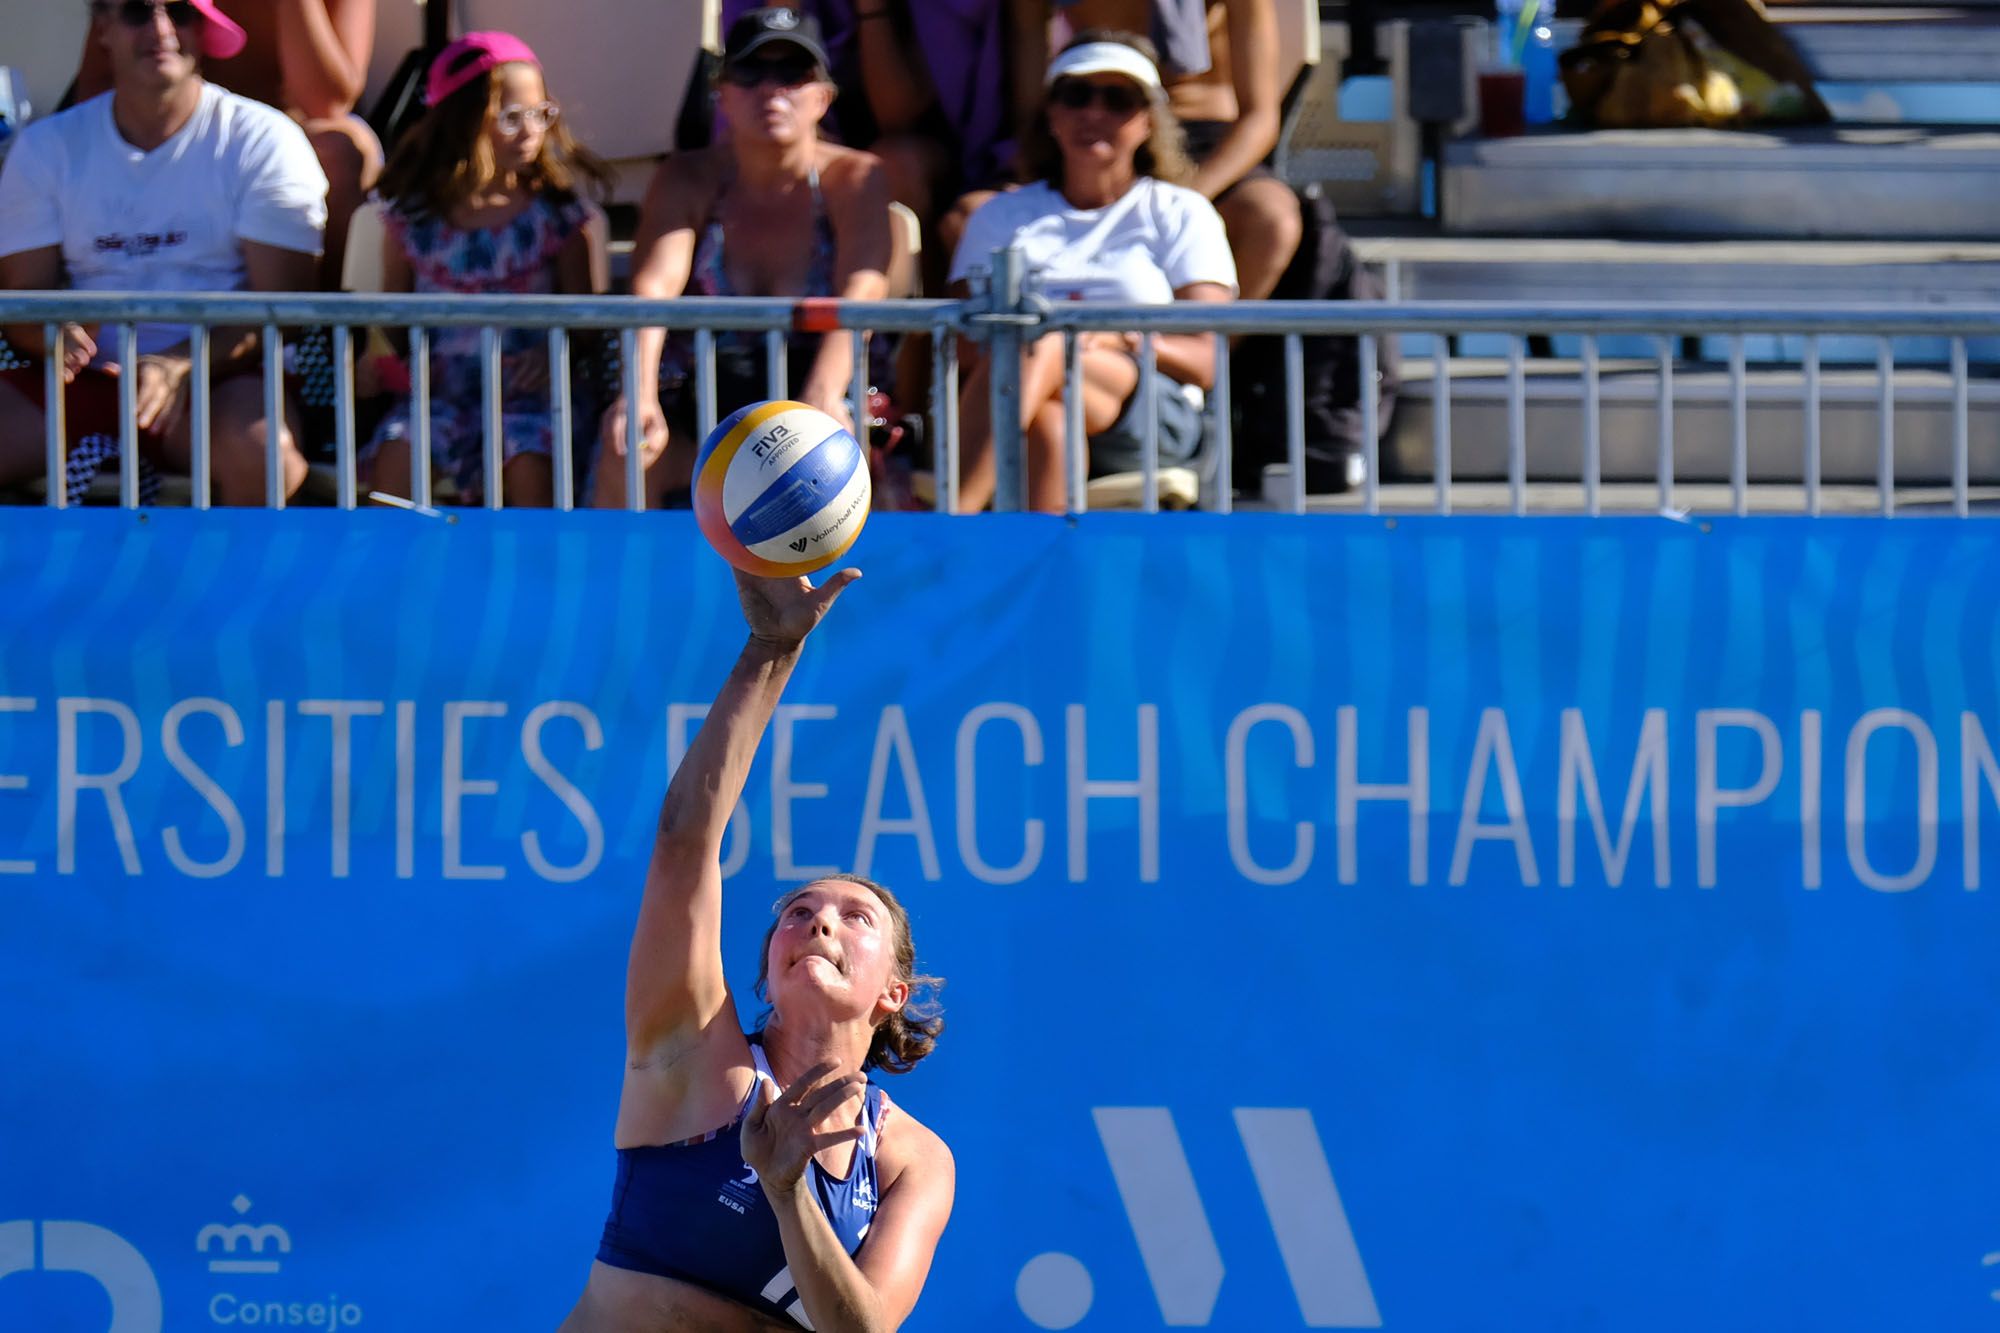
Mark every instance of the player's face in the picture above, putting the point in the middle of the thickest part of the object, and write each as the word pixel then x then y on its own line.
pixel 834 943
pixel 150 44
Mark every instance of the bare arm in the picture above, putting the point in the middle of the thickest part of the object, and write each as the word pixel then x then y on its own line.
pixel 674 982
pixel 1187 357
pixel 878 1287
pixel 573 275
pixel 1028 58
pixel 663 249
pixel 1253 65
pixel 893 77
pixel 266 268
pixel 859 208
pixel 271 268
pixel 323 48
pixel 38 270
pixel 397 275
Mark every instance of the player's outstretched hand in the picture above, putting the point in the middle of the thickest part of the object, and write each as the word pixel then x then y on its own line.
pixel 779 1134
pixel 782 612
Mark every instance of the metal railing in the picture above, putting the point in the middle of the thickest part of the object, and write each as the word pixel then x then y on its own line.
pixel 1005 318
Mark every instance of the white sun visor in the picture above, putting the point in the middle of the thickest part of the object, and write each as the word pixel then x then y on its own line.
pixel 1104 58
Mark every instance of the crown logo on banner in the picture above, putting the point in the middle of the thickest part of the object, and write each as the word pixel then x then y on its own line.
pixel 254 1236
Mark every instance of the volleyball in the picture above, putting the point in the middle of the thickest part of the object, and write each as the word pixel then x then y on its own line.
pixel 780 489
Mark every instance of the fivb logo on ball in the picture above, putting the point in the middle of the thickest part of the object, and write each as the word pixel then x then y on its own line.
pixel 781 489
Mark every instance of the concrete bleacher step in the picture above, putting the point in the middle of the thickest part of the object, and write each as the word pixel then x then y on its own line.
pixel 1899 182
pixel 1769 273
pixel 1894 43
pixel 1850 420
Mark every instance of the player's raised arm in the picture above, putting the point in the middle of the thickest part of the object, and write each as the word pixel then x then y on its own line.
pixel 674 981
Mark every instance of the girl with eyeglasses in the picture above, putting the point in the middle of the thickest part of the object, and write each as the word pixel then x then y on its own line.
pixel 1108 215
pixel 483 196
pixel 771 209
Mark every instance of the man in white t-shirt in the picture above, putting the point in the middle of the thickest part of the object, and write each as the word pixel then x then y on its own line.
pixel 165 184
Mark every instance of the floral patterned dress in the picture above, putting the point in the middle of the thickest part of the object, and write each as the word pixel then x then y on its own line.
pixel 517 257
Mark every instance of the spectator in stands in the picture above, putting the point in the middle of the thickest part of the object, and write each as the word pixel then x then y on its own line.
pixel 802 217
pixel 483 196
pixel 1109 217
pixel 925 86
pixel 165 184
pixel 308 58
pixel 1219 64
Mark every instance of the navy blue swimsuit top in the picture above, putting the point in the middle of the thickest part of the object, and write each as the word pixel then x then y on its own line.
pixel 693 1211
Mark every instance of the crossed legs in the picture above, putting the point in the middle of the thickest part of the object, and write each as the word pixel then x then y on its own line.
pixel 1108 377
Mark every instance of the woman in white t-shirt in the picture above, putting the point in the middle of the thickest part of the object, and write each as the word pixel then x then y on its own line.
pixel 1110 218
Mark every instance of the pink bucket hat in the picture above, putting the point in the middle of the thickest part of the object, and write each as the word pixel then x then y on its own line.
pixel 471 56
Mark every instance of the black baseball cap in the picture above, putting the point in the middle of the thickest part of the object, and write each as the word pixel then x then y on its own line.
pixel 759 28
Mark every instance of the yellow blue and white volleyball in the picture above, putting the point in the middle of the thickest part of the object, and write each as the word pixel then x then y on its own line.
pixel 781 488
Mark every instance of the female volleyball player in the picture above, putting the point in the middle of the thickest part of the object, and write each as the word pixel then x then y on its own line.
pixel 764 1181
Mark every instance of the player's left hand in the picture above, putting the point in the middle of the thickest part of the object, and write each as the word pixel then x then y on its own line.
pixel 780 1135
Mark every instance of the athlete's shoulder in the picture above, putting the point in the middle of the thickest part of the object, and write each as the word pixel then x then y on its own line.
pixel 908 1144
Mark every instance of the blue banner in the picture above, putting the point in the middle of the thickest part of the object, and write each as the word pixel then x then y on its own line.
pixel 1424 924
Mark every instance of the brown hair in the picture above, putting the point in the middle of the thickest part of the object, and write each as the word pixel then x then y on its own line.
pixel 909 1034
pixel 445 156
pixel 1164 154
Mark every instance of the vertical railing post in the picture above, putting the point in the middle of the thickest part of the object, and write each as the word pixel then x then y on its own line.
pixel 1371 426
pixel 1960 441
pixel 274 418
pixel 490 429
pixel 1664 462
pixel 1003 346
pixel 53 393
pixel 944 418
pixel 1517 426
pixel 1593 430
pixel 201 415
pixel 858 385
pixel 1812 423
pixel 128 416
pixel 420 417
pixel 562 420
pixel 1075 471
pixel 1885 423
pixel 343 416
pixel 1224 442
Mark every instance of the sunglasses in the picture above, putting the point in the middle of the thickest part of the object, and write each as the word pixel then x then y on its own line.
pixel 1120 99
pixel 142 13
pixel 783 73
pixel 510 119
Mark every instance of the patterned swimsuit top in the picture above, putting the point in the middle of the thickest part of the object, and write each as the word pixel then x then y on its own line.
pixel 710 274
pixel 517 256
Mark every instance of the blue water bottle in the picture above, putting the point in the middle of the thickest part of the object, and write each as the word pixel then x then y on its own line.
pixel 1538 72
